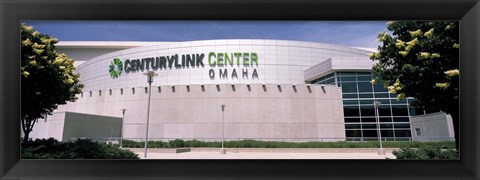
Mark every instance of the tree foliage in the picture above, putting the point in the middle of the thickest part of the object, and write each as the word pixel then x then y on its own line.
pixel 420 59
pixel 47 77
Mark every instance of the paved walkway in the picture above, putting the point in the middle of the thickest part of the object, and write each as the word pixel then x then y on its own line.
pixel 262 155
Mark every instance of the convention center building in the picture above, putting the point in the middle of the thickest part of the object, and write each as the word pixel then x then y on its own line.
pixel 272 90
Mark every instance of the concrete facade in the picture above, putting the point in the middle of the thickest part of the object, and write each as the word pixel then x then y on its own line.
pixel 255 111
pixel 432 127
pixel 65 126
pixel 302 91
pixel 277 102
pixel 279 61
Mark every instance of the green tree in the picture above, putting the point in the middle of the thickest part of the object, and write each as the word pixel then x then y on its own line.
pixel 47 77
pixel 421 59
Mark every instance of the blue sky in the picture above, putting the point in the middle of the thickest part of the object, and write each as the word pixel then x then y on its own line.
pixel 349 33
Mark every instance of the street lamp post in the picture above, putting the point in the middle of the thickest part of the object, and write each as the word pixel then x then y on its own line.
pixel 222 151
pixel 150 75
pixel 376 104
pixel 121 128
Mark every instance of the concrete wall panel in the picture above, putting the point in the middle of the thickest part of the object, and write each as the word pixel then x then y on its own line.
pixel 433 127
pixel 255 114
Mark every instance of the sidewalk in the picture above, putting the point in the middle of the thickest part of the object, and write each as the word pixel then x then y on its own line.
pixel 211 153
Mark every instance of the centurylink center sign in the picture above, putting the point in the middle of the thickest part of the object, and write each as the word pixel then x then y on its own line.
pixel 247 61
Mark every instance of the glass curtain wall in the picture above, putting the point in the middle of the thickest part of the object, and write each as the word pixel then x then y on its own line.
pixel 358 97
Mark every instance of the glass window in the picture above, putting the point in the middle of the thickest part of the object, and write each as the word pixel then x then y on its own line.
pixel 384 110
pixel 396 101
pixel 381 95
pixel 386 126
pixel 352 126
pixel 369 126
pixel 348 73
pixel 383 101
pixel 353 133
pixel 387 133
pixel 348 78
pixel 400 119
pixel 351 111
pixel 364 87
pixel 379 87
pixel 369 102
pixel 369 133
pixel 357 92
pixel 349 87
pixel 400 110
pixel 403 125
pixel 364 78
pixel 364 73
pixel 349 96
pixel 367 110
pixel 365 95
pixel 347 120
pixel 402 133
pixel 385 119
pixel 412 111
pixel 350 102
pixel 368 119
pixel 330 75
pixel 330 81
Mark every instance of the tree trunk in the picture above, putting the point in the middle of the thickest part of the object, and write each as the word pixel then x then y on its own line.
pixel 26 136
pixel 27 127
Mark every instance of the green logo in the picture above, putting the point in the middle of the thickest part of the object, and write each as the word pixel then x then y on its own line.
pixel 115 68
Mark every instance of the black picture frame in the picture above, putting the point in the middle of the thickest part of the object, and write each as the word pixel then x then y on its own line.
pixel 12 12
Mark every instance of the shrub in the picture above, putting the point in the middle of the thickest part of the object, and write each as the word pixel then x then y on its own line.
pixel 79 149
pixel 426 152
pixel 275 144
pixel 176 143
pixel 195 143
